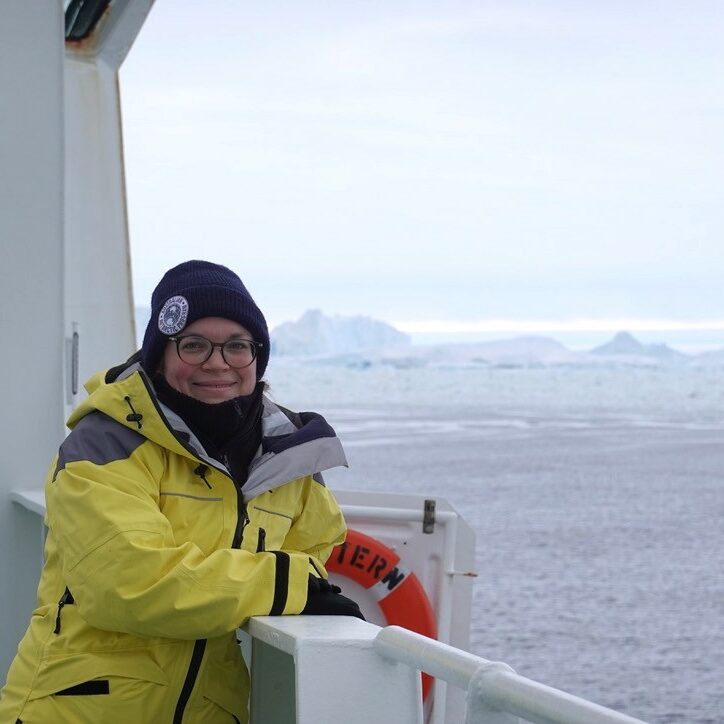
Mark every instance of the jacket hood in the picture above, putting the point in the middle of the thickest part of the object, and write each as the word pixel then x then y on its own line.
pixel 289 449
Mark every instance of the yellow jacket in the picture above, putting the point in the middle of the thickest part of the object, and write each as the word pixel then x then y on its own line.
pixel 154 557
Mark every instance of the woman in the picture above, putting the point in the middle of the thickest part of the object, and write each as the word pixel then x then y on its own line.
pixel 183 502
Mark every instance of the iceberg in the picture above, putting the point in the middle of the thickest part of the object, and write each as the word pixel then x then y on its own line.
pixel 315 334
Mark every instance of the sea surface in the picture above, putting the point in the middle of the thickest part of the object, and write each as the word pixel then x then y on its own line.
pixel 597 499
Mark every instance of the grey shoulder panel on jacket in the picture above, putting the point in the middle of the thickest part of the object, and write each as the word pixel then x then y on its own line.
pixel 99 439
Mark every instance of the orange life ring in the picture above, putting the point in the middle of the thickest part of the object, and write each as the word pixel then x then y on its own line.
pixel 398 591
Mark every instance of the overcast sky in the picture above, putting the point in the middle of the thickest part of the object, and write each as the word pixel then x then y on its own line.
pixel 450 163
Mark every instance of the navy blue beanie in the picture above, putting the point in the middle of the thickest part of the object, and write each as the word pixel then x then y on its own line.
pixel 197 289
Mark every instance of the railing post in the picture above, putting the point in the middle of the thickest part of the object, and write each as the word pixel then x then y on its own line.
pixel 312 669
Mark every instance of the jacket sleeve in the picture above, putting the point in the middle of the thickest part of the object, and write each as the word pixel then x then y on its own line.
pixel 127 573
pixel 319 524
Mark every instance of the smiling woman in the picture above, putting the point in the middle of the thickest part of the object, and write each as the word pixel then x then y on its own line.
pixel 191 365
pixel 164 535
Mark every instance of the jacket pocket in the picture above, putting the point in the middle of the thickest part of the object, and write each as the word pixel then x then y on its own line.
pixel 275 525
pixel 59 674
pixel 197 519
pixel 95 687
pixel 111 688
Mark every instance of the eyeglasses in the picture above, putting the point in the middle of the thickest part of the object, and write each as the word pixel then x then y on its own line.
pixel 194 349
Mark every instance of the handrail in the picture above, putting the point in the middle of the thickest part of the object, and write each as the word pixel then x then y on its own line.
pixel 492 684
pixel 406 514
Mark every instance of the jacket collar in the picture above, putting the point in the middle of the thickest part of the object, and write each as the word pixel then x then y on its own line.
pixel 289 450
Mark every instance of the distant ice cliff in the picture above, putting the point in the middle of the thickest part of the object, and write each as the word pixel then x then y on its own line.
pixel 360 341
pixel 317 335
pixel 363 342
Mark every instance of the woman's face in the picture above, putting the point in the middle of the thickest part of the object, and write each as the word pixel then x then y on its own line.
pixel 213 381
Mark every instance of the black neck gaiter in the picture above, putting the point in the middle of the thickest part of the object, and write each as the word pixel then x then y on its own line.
pixel 230 431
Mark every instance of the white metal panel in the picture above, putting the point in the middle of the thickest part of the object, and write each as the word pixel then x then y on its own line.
pixel 99 299
pixel 98 288
pixel 31 293
pixel 337 674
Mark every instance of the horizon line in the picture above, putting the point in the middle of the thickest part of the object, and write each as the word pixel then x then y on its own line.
pixel 625 324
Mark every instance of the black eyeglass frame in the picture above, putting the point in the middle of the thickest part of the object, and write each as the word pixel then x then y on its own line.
pixel 255 346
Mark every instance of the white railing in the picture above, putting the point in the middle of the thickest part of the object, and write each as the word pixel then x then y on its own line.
pixel 309 669
pixel 494 691
pixel 327 668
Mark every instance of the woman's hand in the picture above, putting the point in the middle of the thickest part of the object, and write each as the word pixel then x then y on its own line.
pixel 324 599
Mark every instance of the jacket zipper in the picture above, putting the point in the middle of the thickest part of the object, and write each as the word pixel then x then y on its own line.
pixel 261 545
pixel 191 674
pixel 201 471
pixel 200 645
pixel 242 516
pixel 66 598
pixel 241 521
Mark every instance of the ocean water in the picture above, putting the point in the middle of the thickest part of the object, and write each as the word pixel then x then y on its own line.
pixel 597 498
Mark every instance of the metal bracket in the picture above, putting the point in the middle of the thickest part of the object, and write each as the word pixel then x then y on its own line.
pixel 75 339
pixel 71 363
pixel 428 518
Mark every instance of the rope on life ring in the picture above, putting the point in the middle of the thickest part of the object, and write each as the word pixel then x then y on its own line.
pixel 397 591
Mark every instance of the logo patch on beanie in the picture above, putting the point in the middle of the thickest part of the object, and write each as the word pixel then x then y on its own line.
pixel 173 315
